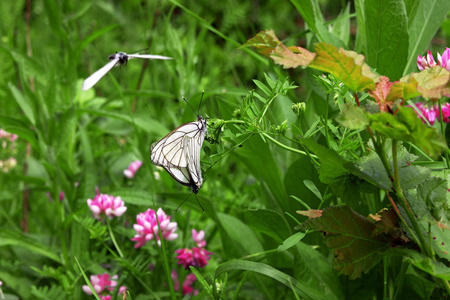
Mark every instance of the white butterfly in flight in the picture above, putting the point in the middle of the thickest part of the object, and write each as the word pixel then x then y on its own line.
pixel 179 153
pixel 118 59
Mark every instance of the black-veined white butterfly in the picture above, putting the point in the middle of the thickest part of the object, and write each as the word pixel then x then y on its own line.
pixel 179 153
pixel 118 59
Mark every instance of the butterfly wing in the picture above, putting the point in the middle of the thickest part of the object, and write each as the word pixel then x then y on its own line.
pixel 148 56
pixel 94 78
pixel 179 153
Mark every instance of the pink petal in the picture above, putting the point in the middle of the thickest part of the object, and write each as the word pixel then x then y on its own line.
pixel 87 290
pixel 119 211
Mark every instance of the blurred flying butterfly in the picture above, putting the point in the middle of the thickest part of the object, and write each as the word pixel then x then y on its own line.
pixel 118 59
pixel 179 153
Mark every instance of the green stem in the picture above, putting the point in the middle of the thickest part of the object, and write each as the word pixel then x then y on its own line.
pixel 446 285
pixel 113 239
pixel 447 161
pixel 267 107
pixel 286 147
pixel 165 262
pixel 421 242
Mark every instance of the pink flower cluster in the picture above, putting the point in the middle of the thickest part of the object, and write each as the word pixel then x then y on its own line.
pixel 103 284
pixel 132 169
pixel 7 136
pixel 106 205
pixel 187 284
pixel 196 257
pixel 147 227
pixel 428 61
pixel 432 113
pixel 7 161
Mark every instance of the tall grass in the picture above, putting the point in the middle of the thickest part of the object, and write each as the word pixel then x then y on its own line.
pixel 77 142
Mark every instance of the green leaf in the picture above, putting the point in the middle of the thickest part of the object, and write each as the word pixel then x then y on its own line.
pixel 430 206
pixel 269 222
pixel 313 188
pixel 424 20
pixel 134 196
pixel 350 238
pixel 203 282
pixel 372 169
pixel 406 126
pixel 291 241
pixel 304 290
pixel 415 286
pixel 310 11
pixel 387 38
pixel 347 66
pixel 25 105
pixel 332 165
pixel 313 269
pixel 241 234
pixel 352 117
pixel 17 239
pixel 21 129
pixel 426 264
pixel 263 87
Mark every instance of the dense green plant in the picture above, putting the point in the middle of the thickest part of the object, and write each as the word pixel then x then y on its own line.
pixel 289 152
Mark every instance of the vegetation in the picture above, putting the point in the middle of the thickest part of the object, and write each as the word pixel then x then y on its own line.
pixel 320 182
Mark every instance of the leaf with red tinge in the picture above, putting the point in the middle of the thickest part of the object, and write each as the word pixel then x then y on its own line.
pixel 264 41
pixel 291 57
pixel 386 93
pixel 347 66
pixel 312 213
pixel 350 238
pixel 404 89
pixel 386 221
pixel 381 92
pixel 433 83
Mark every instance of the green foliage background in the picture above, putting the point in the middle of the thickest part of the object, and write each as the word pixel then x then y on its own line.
pixel 75 141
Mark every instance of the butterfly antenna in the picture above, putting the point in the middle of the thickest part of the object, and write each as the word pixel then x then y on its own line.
pixel 189 105
pixel 199 203
pixel 186 200
pixel 201 99
pixel 183 202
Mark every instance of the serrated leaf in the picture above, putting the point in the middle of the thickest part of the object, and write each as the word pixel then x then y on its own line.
pixel 311 213
pixel 291 57
pixel 406 126
pixel 372 169
pixel 430 206
pixel 264 41
pixel 404 89
pixel 433 83
pixel 352 117
pixel 350 237
pixel 426 264
pixel 347 66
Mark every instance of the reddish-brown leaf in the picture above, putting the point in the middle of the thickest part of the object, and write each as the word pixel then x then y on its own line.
pixel 265 42
pixel 381 92
pixel 312 213
pixel 350 238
